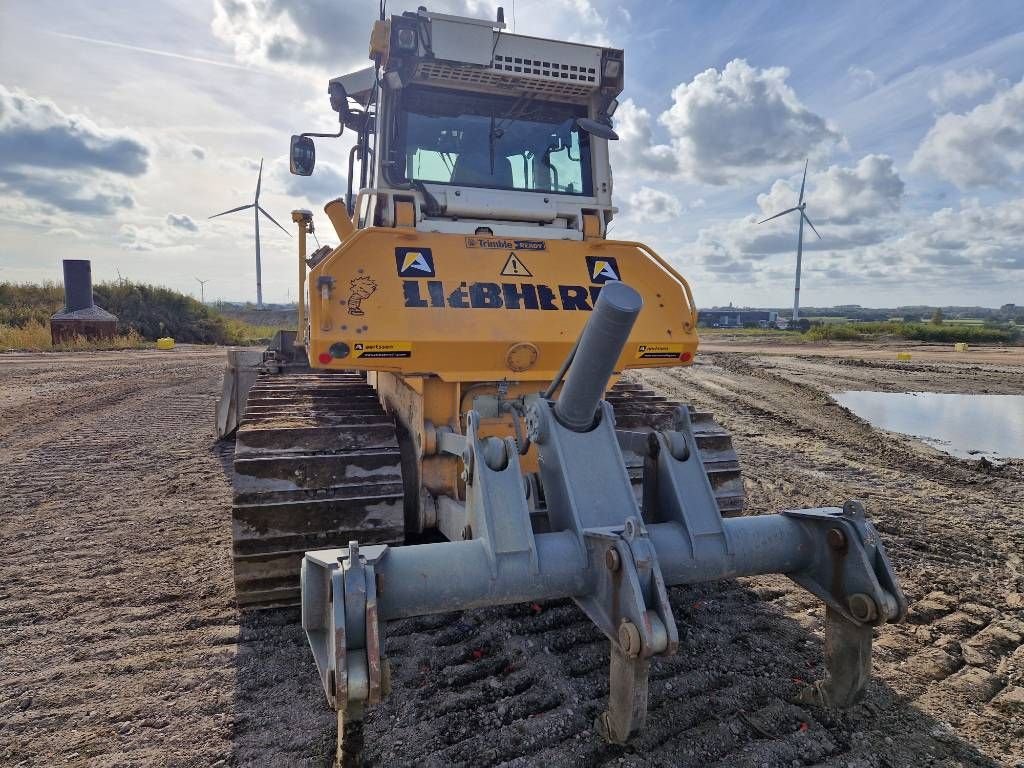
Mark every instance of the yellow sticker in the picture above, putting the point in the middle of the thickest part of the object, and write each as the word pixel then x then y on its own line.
pixel 659 351
pixel 382 349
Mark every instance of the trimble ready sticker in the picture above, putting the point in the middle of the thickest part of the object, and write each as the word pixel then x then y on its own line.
pixel 659 351
pixel 382 349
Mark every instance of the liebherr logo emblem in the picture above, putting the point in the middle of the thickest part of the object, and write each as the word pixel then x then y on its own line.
pixel 602 269
pixel 414 262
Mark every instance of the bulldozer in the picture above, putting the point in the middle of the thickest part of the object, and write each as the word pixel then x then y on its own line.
pixel 451 428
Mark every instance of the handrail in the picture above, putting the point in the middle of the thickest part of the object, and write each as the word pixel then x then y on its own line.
pixel 691 303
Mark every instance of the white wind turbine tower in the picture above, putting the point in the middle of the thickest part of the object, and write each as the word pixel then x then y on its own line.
pixel 256 211
pixel 800 206
pixel 202 289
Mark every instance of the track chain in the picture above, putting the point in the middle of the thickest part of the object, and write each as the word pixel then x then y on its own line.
pixel 639 408
pixel 316 465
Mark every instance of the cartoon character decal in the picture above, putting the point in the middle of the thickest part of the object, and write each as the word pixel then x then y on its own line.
pixel 361 287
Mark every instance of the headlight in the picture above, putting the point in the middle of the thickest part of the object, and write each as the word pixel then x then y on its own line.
pixel 407 39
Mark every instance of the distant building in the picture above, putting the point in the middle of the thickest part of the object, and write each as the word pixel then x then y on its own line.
pixel 737 318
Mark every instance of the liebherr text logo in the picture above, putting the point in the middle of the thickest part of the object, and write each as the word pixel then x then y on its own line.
pixel 434 293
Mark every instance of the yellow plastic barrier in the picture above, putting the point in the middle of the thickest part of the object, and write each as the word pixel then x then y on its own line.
pixel 165 343
pixel 903 356
pixel 960 346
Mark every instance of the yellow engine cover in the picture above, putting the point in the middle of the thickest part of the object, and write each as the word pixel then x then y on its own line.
pixel 467 308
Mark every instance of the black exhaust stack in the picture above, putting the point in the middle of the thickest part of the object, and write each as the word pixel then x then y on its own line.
pixel 80 318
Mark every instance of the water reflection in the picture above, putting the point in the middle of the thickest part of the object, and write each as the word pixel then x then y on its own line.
pixel 968 426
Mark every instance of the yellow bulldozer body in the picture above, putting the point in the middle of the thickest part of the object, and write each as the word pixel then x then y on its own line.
pixel 478 308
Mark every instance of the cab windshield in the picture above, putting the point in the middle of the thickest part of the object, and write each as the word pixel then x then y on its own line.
pixel 475 140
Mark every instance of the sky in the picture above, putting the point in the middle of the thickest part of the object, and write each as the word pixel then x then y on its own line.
pixel 123 129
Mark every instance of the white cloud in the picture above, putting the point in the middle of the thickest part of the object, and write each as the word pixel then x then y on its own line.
pixel 327 183
pixel 959 87
pixel 652 205
pixel 862 79
pixel 854 208
pixel 182 221
pixel 726 126
pixel 333 34
pixel 636 149
pixel 868 246
pixel 65 161
pixel 842 195
pixel 984 147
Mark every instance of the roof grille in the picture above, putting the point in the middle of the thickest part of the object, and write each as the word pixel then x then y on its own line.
pixel 546 79
pixel 553 69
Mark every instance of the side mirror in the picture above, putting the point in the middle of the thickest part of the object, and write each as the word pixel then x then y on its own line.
pixel 599 128
pixel 302 156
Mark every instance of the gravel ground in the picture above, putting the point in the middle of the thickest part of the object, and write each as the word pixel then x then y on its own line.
pixel 120 644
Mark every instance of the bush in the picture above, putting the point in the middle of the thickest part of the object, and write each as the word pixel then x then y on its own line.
pixel 34 336
pixel 144 311
pixel 948 332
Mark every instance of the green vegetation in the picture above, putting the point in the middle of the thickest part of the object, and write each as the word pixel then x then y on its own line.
pixel 947 332
pixel 144 312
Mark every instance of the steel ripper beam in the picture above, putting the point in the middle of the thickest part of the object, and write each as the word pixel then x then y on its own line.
pixel 456 576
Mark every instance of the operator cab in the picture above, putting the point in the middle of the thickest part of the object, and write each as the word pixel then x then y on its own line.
pixel 468 129
pixel 460 139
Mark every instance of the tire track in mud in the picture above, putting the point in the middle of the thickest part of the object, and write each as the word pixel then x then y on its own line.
pixel 112 546
pixel 728 697
pixel 119 643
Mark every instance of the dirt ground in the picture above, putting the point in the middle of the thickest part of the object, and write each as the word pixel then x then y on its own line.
pixel 120 645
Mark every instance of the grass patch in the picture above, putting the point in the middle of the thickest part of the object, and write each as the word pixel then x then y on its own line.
pixel 948 332
pixel 34 336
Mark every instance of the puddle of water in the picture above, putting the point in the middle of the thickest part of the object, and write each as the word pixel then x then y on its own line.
pixel 967 426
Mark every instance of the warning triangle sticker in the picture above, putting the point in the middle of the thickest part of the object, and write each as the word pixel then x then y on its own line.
pixel 514 267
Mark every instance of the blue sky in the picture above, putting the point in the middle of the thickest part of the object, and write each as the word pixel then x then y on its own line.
pixel 122 130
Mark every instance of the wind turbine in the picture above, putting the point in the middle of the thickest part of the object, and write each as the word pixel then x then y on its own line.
pixel 256 210
pixel 800 206
pixel 202 289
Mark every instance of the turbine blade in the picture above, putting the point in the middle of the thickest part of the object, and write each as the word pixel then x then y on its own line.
pixel 259 181
pixel 809 223
pixel 272 219
pixel 788 210
pixel 239 208
pixel 803 183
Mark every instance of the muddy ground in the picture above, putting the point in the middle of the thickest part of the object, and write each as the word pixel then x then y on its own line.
pixel 120 645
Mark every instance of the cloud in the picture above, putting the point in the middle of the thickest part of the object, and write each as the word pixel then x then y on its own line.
pixel 842 195
pixel 725 126
pixel 198 152
pixel 150 234
pixel 984 147
pixel 333 34
pixel 854 208
pixel 327 182
pixel 862 79
pixel 65 192
pixel 36 132
pixel 986 236
pixel 652 205
pixel 65 161
pixel 960 248
pixel 636 148
pixel 959 88
pixel 182 221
